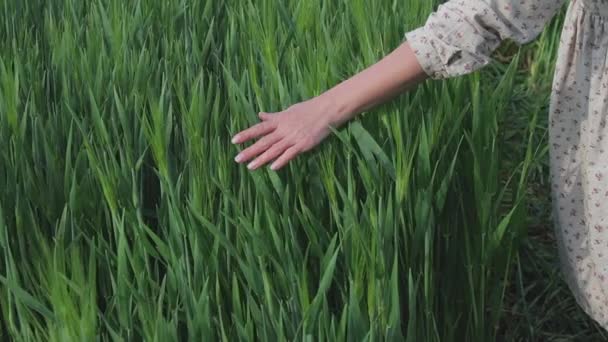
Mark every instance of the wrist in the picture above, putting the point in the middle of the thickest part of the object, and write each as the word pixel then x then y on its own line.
pixel 337 108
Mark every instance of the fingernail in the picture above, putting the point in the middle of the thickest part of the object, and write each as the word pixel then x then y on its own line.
pixel 235 139
pixel 273 166
pixel 238 158
pixel 251 165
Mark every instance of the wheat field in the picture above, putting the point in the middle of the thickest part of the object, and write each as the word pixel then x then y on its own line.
pixel 123 216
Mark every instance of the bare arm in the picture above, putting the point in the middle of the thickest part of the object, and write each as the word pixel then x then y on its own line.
pixel 303 125
pixel 396 72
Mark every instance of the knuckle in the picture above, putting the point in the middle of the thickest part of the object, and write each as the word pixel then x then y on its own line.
pixel 269 124
pixel 270 140
pixel 291 153
pixel 259 128
pixel 279 132
pixel 264 145
pixel 246 153
pixel 244 134
pixel 274 149
pixel 296 141
pixel 308 142
pixel 259 147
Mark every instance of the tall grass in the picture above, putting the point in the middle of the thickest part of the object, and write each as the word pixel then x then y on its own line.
pixel 124 217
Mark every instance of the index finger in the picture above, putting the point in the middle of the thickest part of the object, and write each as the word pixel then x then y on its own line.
pixel 256 130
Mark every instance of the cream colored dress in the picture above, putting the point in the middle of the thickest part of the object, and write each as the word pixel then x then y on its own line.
pixel 459 38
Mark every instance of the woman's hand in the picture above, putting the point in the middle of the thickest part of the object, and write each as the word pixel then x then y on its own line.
pixel 304 125
pixel 287 133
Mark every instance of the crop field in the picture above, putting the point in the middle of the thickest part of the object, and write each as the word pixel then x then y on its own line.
pixel 124 217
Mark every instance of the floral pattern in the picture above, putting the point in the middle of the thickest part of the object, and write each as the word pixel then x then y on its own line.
pixel 459 38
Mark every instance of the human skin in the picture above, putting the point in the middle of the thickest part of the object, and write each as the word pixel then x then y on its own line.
pixel 286 134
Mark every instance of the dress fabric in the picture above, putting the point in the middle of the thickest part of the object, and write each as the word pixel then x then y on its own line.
pixel 459 38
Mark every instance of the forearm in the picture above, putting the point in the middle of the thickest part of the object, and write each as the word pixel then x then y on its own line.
pixel 393 74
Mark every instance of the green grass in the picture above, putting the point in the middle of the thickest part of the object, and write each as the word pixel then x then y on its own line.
pixel 124 217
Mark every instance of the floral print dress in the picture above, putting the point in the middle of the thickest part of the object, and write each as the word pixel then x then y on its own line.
pixel 459 38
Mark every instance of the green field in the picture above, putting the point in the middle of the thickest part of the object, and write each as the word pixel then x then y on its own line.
pixel 123 215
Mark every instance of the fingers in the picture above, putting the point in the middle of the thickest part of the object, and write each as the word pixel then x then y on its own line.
pixel 254 131
pixel 288 155
pixel 257 148
pixel 270 146
pixel 269 154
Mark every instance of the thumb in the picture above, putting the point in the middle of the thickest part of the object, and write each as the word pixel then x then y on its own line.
pixel 264 115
